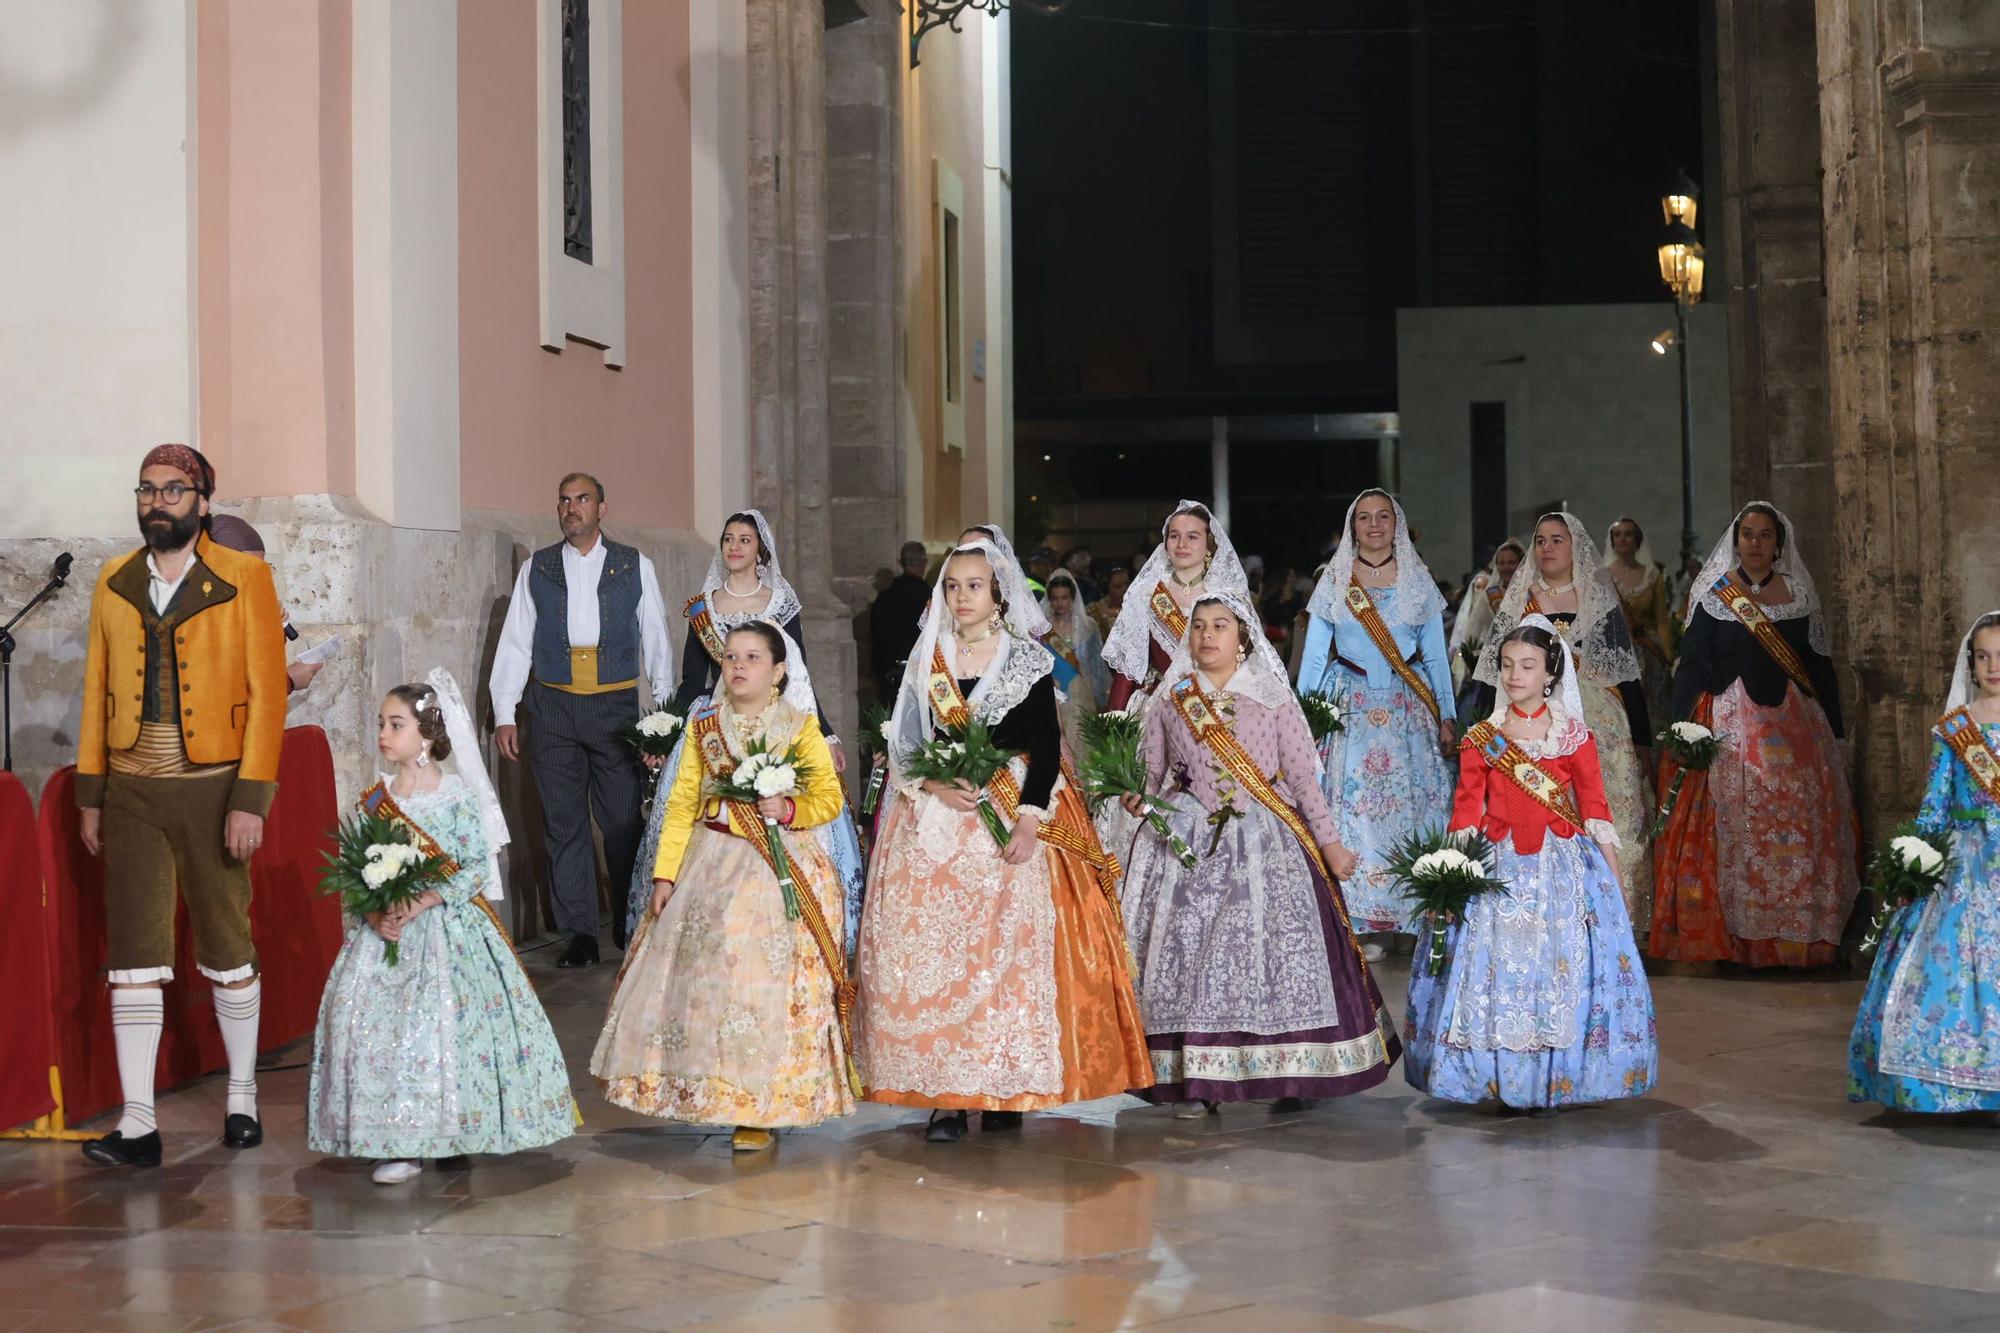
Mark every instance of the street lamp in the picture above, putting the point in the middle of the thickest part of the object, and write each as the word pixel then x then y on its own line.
pixel 1682 266
pixel 928 14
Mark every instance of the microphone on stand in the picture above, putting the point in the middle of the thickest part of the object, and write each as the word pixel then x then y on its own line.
pixel 58 575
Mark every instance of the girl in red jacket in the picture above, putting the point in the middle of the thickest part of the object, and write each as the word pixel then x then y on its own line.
pixel 1544 1002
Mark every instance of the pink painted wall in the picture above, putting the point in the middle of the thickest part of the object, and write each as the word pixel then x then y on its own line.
pixel 529 415
pixel 274 279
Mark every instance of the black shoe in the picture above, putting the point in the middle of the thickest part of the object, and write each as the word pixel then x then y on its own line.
pixel 945 1127
pixel 114 1149
pixel 242 1131
pixel 582 952
pixel 991 1120
pixel 453 1164
pixel 618 935
pixel 1287 1105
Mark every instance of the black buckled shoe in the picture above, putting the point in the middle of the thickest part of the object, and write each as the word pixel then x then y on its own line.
pixel 242 1131
pixel 114 1149
pixel 945 1127
pixel 582 952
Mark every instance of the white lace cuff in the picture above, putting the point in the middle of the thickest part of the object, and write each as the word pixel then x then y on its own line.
pixel 1602 832
pixel 1038 811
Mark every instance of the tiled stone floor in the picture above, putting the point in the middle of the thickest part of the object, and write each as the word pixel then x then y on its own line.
pixel 1746 1194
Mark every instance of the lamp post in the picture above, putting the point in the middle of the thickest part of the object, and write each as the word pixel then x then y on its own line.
pixel 1681 265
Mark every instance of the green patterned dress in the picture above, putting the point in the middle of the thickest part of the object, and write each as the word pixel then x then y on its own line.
pixel 447 1052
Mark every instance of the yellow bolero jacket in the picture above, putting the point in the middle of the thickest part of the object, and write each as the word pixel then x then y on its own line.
pixel 687 804
pixel 230 650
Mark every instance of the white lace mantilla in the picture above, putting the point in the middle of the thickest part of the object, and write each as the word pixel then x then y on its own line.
pixel 1598 635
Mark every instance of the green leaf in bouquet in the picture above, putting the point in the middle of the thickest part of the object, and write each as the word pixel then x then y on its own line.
pixel 1324 715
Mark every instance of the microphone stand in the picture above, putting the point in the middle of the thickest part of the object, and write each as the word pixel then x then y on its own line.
pixel 56 580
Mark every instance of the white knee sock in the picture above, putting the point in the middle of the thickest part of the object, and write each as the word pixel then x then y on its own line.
pixel 137 1015
pixel 236 1011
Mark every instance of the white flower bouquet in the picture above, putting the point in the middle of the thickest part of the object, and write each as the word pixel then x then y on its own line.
pixel 763 773
pixel 1441 873
pixel 375 866
pixel 1692 748
pixel 1907 870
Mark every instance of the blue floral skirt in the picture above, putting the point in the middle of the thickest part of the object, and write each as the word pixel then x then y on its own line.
pixel 1542 1001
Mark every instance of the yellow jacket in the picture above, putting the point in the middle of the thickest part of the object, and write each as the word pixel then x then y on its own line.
pixel 230 652
pixel 688 805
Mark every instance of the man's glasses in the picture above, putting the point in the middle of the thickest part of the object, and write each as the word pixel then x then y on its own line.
pixel 173 492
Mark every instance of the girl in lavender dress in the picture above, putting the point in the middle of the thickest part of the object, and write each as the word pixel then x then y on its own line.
pixel 1250 981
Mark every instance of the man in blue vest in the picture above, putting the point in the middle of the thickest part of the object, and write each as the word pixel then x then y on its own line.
pixel 585 620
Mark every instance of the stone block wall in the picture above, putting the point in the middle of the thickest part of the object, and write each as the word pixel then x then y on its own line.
pixel 403 600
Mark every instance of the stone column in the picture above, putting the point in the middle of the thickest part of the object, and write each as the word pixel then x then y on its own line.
pixel 1909 103
pixel 870 477
pixel 1766 213
pixel 789 449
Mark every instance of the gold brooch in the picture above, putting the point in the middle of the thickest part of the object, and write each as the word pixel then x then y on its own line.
pixel 207 588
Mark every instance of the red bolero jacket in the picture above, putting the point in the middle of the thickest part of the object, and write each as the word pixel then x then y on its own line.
pixel 1499 809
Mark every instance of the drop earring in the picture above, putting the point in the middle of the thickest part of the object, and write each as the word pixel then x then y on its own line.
pixel 424 757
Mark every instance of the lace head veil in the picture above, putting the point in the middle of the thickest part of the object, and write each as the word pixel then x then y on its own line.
pixel 1963 691
pixel 470 762
pixel 1599 636
pixel 1018 664
pixel 1790 563
pixel 784 602
pixel 1644 555
pixel 1568 698
pixel 1417 597
pixel 1129 644
pixel 1260 676
pixel 1033 622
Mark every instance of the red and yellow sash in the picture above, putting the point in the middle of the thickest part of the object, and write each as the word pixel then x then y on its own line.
pixel 377 801
pixel 1744 607
pixel 1168 612
pixel 1967 740
pixel 701 618
pixel 720 765
pixel 1513 763
pixel 1211 732
pixel 1363 607
pixel 1067 828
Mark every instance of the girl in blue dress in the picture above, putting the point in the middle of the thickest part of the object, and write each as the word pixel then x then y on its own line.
pixel 1376 643
pixel 1543 1003
pixel 1928 1034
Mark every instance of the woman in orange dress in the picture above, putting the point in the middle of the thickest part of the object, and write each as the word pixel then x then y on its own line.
pixel 1757 863
pixel 991 978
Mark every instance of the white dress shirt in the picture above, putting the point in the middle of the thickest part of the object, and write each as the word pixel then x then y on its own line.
pixel 162 589
pixel 513 660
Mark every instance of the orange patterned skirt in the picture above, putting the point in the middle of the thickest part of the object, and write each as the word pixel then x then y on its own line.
pixel 1757 863
pixel 985 986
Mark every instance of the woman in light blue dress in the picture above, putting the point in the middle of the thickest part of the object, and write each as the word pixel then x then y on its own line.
pixel 1543 1002
pixel 447 1051
pixel 1389 774
pixel 1928 1034
pixel 744 584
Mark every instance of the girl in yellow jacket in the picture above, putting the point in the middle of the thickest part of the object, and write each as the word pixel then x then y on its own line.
pixel 729 1011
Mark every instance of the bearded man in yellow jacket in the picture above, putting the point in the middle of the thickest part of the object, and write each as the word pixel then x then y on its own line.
pixel 177 762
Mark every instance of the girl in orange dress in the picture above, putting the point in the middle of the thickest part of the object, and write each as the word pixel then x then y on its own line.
pixel 990 978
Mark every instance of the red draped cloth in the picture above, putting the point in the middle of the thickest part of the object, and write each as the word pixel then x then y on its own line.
pixel 26 1040
pixel 296 929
